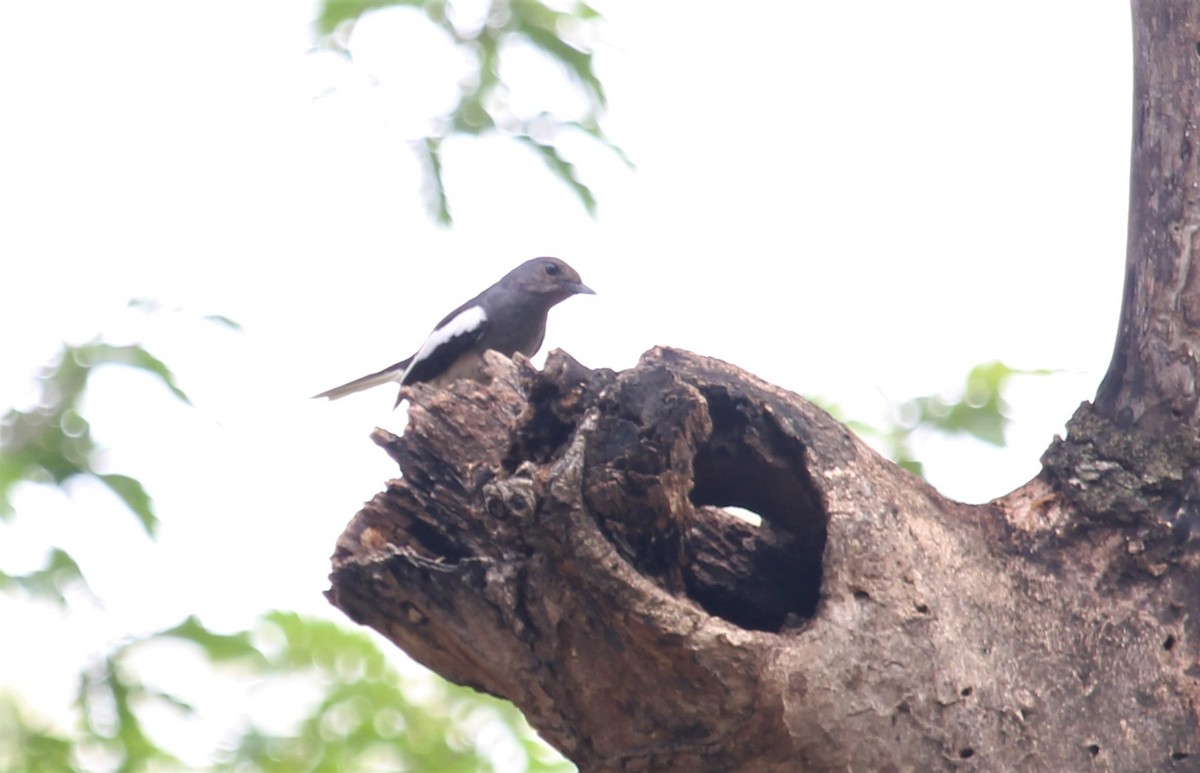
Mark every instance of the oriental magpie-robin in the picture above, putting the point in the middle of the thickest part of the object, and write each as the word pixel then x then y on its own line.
pixel 508 317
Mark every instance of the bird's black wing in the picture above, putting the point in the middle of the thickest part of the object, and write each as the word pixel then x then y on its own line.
pixel 455 337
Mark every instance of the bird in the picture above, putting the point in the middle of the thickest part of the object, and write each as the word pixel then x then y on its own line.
pixel 508 317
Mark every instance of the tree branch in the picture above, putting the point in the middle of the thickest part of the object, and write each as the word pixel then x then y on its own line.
pixel 1152 379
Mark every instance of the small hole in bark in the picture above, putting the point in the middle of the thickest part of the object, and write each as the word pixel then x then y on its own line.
pixel 964 692
pixel 923 609
pixel 1169 643
pixel 763 577
pixel 1177 756
pixel 1198 49
pixel 1093 750
pixel 862 595
pixel 966 753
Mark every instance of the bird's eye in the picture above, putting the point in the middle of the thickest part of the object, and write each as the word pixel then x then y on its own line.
pixel 553 269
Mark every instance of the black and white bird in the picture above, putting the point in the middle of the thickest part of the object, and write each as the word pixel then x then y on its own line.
pixel 508 317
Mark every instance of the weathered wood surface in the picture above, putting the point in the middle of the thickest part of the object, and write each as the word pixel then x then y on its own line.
pixel 557 539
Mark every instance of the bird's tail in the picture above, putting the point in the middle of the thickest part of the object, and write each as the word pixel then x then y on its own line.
pixel 391 373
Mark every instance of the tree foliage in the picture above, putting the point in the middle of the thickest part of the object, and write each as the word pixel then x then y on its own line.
pixel 51 442
pixel 364 713
pixel 976 410
pixel 561 34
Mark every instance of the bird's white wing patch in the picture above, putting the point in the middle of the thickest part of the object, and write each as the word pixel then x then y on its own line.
pixel 463 323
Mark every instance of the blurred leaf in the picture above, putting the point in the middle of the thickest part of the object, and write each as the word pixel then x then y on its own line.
pixel 585 11
pixel 148 305
pixel 153 306
pixel 978 411
pixel 336 12
pixel 26 747
pixel 542 27
pixel 429 155
pixel 166 699
pixel 51 581
pixel 12 471
pixel 224 321
pixel 366 717
pixel 52 442
pixel 133 356
pixel 483 106
pixel 134 495
pixel 563 170
pixel 217 647
pixel 594 131
pixel 111 701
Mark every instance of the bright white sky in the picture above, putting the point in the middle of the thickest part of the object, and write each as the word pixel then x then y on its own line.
pixel 852 200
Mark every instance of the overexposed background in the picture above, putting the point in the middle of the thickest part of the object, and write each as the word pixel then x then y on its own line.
pixel 857 201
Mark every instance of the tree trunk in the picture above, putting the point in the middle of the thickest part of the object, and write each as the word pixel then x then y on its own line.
pixel 558 539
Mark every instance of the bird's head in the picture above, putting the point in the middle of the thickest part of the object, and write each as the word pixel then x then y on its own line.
pixel 549 278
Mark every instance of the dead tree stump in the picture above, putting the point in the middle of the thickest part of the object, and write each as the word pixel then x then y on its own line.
pixel 558 539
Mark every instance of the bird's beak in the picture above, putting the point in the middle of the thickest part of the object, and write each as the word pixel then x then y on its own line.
pixel 579 288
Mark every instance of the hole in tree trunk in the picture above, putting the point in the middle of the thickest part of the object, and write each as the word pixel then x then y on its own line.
pixel 764 577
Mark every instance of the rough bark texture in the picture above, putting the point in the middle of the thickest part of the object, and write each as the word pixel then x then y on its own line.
pixel 1153 375
pixel 558 539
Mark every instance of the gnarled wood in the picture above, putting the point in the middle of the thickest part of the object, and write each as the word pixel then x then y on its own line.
pixel 551 542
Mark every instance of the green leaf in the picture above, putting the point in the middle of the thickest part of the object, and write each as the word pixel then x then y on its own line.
pixel 133 356
pixel 109 699
pixel 148 305
pixel 12 471
pixel 218 647
pixel 562 169
pixel 482 107
pixel 541 25
pixel 429 154
pixel 470 117
pixel 585 11
pixel 311 641
pixel 224 321
pixel 593 130
pixel 152 306
pixel 980 411
pixel 51 581
pixel 29 747
pixel 52 442
pixel 134 495
pixel 336 12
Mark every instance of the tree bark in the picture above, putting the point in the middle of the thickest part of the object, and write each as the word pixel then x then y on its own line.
pixel 558 538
